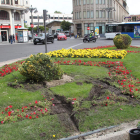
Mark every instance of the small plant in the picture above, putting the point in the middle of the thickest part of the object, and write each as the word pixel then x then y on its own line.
pixel 122 41
pixel 40 67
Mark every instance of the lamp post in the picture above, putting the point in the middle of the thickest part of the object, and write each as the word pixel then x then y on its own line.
pixel 31 9
pixel 109 9
pixel 45 18
pixel 38 24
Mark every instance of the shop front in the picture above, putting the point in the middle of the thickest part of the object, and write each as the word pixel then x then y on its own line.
pixel 5 32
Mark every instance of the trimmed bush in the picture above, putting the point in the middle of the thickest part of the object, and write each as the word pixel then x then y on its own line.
pixel 40 68
pixel 122 41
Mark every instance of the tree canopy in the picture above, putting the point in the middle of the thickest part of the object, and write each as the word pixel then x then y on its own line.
pixel 65 25
pixel 58 12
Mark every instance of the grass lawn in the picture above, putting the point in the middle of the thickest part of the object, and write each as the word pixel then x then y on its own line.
pixel 90 98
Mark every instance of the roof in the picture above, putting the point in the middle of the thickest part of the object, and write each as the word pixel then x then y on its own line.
pixel 55 21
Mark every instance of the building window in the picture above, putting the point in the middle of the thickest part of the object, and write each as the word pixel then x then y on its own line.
pixel 26 2
pixel 97 14
pixel 87 1
pixel 11 2
pixel 7 1
pixel 60 17
pixel 103 14
pixel 79 2
pixel 2 1
pixel 84 13
pixel 88 14
pixel 65 17
pixel 16 1
pixel 84 2
pixel 91 14
pixel 80 15
pixel 100 14
pixel 56 17
pixel 4 15
pixel 97 1
pixel 103 1
pixel 77 15
pixel 76 2
pixel 100 1
pixel 91 1
pixel 16 16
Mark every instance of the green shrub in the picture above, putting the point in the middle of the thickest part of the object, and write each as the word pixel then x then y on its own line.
pixel 122 41
pixel 40 67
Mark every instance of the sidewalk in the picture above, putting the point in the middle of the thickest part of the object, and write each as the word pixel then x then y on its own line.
pixel 7 43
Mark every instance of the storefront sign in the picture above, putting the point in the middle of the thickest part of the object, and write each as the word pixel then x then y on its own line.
pixel 136 31
pixel 17 27
pixel 5 26
pixel 96 30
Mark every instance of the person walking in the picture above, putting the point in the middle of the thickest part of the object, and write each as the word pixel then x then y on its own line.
pixel 9 38
pixel 13 38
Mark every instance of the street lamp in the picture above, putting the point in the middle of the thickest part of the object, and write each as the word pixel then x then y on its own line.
pixel 109 9
pixel 31 9
pixel 38 24
pixel 45 18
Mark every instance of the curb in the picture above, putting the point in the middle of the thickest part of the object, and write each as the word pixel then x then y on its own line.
pixel 11 61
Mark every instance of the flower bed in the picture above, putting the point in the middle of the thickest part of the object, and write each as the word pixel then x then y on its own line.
pixel 101 47
pixel 88 53
pixel 7 69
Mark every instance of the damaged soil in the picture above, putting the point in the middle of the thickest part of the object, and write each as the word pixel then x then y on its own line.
pixel 65 109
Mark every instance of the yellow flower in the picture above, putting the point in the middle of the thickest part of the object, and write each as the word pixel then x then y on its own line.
pixel 54 136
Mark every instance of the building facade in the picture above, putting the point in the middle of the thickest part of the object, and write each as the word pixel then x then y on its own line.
pixel 38 18
pixel 96 13
pixel 134 18
pixel 11 16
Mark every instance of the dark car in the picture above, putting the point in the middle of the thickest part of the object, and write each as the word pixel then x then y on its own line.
pixel 41 38
pixel 55 35
pixel 87 38
pixel 29 37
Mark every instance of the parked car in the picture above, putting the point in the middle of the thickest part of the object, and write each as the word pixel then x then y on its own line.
pixel 29 37
pixel 67 33
pixel 41 38
pixel 55 35
pixel 61 36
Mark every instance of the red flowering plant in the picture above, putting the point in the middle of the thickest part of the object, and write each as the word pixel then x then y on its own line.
pixel 7 69
pixel 32 111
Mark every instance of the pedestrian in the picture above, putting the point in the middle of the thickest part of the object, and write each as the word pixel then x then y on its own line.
pixel 13 38
pixel 70 34
pixel 9 38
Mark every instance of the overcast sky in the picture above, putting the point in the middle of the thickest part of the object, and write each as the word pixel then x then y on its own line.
pixel 65 6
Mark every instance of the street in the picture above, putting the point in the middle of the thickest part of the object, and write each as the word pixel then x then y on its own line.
pixel 14 51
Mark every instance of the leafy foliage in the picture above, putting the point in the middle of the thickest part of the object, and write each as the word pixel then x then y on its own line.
pixel 58 12
pixel 122 41
pixel 40 67
pixel 65 25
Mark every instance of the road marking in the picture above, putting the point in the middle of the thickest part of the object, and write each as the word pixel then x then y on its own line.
pixel 74 46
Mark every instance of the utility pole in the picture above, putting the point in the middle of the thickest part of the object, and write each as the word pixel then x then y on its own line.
pixel 31 9
pixel 0 36
pixel 38 24
pixel 109 9
pixel 45 18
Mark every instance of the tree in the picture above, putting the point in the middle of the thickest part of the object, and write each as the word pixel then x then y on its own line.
pixel 41 28
pixel 65 25
pixel 58 12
